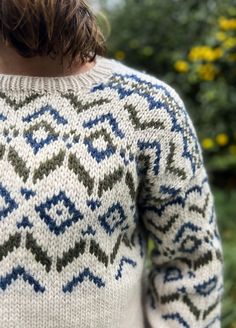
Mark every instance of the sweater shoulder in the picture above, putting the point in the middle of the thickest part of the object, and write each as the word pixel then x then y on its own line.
pixel 151 99
pixel 141 83
pixel 158 116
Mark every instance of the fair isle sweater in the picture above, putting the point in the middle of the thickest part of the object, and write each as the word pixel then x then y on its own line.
pixel 91 166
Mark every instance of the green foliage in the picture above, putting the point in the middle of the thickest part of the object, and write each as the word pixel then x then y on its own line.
pixel 225 206
pixel 150 31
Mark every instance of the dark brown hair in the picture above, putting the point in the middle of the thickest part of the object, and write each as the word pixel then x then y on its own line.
pixel 67 28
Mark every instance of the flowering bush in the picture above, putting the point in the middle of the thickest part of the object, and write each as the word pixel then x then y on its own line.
pixel 210 66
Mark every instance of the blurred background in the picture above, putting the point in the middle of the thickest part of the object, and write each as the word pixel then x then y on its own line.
pixel 191 45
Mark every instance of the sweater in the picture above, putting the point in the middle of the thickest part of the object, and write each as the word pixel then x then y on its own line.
pixel 93 166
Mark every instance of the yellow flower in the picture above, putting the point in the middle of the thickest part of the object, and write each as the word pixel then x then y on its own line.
pixel 207 143
pixel 221 36
pixel 218 53
pixel 120 55
pixel 232 150
pixel 222 139
pixel 181 66
pixel 205 53
pixel 207 71
pixel 229 43
pixel 227 23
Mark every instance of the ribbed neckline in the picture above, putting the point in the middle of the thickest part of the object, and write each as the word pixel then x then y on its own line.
pixel 100 71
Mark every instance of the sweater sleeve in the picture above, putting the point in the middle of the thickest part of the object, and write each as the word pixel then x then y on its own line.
pixel 184 278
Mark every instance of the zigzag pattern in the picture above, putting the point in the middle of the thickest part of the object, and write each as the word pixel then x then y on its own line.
pixel 86 178
pixel 15 274
pixel 121 265
pixel 80 278
pixel 121 83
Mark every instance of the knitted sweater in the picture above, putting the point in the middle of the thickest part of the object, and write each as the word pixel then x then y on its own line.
pixel 92 166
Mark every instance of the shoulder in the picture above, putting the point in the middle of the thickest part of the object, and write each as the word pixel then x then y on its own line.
pixel 146 95
pixel 158 116
pixel 131 81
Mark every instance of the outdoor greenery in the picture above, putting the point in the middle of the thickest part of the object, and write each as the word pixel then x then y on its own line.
pixel 225 206
pixel 192 46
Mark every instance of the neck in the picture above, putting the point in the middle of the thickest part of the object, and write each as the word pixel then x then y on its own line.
pixel 12 63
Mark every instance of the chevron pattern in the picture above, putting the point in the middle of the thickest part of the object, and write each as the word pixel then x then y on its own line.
pixel 85 180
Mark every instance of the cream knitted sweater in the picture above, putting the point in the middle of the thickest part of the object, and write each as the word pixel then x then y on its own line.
pixel 91 166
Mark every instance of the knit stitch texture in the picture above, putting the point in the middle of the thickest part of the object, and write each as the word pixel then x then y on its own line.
pixel 91 166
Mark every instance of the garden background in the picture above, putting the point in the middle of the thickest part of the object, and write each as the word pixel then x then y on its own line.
pixel 192 46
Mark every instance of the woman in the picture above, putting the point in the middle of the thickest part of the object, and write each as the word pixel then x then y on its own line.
pixel 95 158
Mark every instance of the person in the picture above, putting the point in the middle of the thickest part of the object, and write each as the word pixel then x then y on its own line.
pixel 96 159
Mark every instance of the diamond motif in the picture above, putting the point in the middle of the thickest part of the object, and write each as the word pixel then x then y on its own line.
pixel 100 138
pixel 113 218
pixel 39 135
pixel 58 213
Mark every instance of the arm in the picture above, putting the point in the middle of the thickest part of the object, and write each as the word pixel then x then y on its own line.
pixel 184 283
